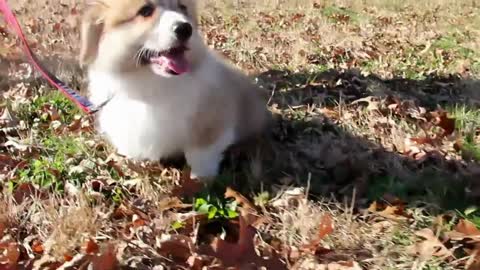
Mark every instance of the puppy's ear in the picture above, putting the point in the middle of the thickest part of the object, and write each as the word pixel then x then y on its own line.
pixel 90 31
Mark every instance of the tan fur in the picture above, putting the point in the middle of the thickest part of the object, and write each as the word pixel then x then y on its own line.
pixel 103 15
pixel 90 33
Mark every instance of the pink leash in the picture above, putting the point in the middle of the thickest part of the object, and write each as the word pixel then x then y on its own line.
pixel 71 94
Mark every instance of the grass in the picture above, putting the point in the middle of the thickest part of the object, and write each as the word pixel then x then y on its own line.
pixel 467 123
pixel 339 14
pixel 472 214
pixel 329 153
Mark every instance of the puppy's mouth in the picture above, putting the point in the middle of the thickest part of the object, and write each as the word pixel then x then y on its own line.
pixel 171 61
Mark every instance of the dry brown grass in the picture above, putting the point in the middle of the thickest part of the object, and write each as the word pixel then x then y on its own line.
pixel 323 139
pixel 286 34
pixel 67 224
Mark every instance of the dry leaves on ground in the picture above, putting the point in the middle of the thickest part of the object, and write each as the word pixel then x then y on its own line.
pixel 188 186
pixel 468 235
pixel 429 247
pixel 242 253
pixel 394 212
pixel 326 227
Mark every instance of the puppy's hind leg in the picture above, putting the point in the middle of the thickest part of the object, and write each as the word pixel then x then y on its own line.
pixel 205 161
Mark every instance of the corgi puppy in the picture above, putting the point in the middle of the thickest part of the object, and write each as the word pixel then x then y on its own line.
pixel 165 92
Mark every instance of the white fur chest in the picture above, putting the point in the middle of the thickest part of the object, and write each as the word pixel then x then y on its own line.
pixel 146 117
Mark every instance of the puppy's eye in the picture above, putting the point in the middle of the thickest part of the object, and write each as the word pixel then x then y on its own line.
pixel 183 8
pixel 146 11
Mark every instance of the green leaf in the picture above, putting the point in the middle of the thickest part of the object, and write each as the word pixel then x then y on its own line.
pixel 204 208
pixel 470 210
pixel 11 186
pixel 232 206
pixel 199 202
pixel 212 212
pixel 177 225
pixel 232 214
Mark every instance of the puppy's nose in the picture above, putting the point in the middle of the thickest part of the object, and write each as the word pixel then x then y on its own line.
pixel 183 31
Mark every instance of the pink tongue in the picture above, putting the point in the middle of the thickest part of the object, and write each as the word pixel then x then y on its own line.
pixel 176 63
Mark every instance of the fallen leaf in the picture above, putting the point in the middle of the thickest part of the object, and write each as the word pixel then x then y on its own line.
pixel 234 253
pixel 343 255
pixel 467 227
pixel 7 120
pixel 240 199
pixel 24 191
pixel 394 212
pixel 430 247
pixel 474 265
pixel 442 120
pixel 122 211
pixel 342 265
pixel 466 233
pixel 114 165
pixel 172 203
pixel 10 254
pixel 178 247
pixel 188 186
pixel 242 253
pixel 427 140
pixel 196 262
pixel 334 114
pixel 7 162
pixel 138 222
pixel 90 247
pixel 67 257
pixel 37 246
pixel 107 260
pixel 3 227
pixel 325 228
pixel 80 124
pixel 189 221
pixel 74 125
pixel 51 111
pixel 372 101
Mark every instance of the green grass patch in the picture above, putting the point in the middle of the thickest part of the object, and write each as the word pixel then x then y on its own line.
pixel 61 157
pixel 211 200
pixel 466 119
pixel 452 43
pixel 467 123
pixel 65 109
pixel 216 207
pixel 340 14
pixel 428 187
pixel 57 163
pixel 401 237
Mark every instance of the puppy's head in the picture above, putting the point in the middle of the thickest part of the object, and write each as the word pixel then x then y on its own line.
pixel 126 35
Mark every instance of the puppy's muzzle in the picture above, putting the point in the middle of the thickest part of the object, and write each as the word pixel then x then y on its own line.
pixel 183 31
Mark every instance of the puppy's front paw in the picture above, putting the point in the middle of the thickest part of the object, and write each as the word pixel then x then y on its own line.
pixel 204 164
pixel 204 179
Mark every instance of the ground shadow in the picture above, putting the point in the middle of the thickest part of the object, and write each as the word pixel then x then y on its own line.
pixel 312 149
pixel 14 71
pixel 309 148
